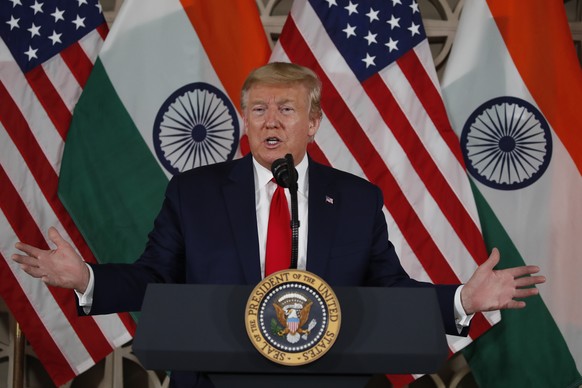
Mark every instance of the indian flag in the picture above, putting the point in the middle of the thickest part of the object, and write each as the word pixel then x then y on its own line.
pixel 513 89
pixel 163 97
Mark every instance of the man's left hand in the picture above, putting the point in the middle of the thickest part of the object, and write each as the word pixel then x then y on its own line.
pixel 490 289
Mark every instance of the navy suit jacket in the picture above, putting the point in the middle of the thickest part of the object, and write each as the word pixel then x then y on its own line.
pixel 206 232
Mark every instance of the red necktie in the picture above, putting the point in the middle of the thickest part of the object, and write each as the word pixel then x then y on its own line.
pixel 278 253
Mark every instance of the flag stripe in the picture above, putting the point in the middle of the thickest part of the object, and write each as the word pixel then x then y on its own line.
pixel 102 30
pixel 23 224
pixel 373 165
pixel 92 42
pixel 111 326
pixel 79 64
pixel 47 137
pixel 17 127
pixel 415 106
pixel 12 118
pixel 10 288
pixel 431 100
pixel 59 74
pixel 424 165
pixel 244 26
pixel 317 154
pixel 22 136
pixel 49 98
pixel 550 88
pixel 481 323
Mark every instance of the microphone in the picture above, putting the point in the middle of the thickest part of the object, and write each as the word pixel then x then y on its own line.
pixel 285 175
pixel 284 171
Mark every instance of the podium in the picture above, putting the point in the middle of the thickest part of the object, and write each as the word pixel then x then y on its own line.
pixel 201 328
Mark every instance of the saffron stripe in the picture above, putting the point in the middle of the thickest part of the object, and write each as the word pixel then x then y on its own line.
pixel 245 26
pixel 556 85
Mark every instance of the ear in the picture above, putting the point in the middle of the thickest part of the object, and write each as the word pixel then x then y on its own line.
pixel 314 126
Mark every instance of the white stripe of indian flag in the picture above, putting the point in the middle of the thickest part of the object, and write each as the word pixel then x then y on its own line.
pixel 111 181
pixel 151 53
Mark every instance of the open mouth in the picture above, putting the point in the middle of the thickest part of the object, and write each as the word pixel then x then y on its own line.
pixel 272 141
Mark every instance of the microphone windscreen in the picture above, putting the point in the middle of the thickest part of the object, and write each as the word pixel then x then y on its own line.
pixel 280 170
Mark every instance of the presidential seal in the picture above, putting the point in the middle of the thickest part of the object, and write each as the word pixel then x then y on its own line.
pixel 292 317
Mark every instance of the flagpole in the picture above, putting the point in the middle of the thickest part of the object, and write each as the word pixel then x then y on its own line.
pixel 18 364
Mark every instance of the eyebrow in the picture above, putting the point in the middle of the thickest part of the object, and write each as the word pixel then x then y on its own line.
pixel 261 101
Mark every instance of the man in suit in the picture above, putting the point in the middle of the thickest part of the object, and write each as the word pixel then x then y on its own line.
pixel 213 223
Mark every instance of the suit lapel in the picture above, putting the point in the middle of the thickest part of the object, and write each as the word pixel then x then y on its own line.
pixel 323 213
pixel 239 196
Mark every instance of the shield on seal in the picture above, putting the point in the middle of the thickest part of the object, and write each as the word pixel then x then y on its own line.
pixel 293 324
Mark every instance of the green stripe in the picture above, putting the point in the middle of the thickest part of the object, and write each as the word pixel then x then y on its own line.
pixel 526 349
pixel 109 181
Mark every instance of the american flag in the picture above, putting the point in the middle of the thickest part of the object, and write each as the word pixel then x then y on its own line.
pixel 47 50
pixel 385 120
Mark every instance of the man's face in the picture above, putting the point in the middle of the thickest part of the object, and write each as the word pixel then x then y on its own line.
pixel 277 122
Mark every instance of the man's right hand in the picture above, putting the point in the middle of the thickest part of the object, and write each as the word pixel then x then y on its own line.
pixel 61 267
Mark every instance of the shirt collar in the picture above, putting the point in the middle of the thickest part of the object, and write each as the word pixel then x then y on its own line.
pixel 263 175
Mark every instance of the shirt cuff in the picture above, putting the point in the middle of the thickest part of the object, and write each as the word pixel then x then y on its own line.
pixel 462 320
pixel 86 298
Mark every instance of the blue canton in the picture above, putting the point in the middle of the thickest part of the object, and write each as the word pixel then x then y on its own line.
pixel 35 31
pixel 370 34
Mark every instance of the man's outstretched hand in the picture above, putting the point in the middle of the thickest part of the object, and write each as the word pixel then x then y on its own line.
pixel 61 267
pixel 490 289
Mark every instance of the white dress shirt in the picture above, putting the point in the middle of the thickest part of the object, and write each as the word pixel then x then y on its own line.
pixel 264 190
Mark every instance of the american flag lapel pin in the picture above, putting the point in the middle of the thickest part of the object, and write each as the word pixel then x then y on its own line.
pixel 328 199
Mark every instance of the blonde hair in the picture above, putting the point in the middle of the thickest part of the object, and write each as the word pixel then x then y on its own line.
pixel 283 73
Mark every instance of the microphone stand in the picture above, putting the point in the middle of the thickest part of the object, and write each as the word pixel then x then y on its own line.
pixel 294 212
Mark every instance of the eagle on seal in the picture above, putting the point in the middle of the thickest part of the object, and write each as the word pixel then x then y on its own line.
pixel 293 317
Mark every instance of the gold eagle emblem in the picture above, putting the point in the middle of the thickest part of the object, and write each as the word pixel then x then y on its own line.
pixel 292 312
